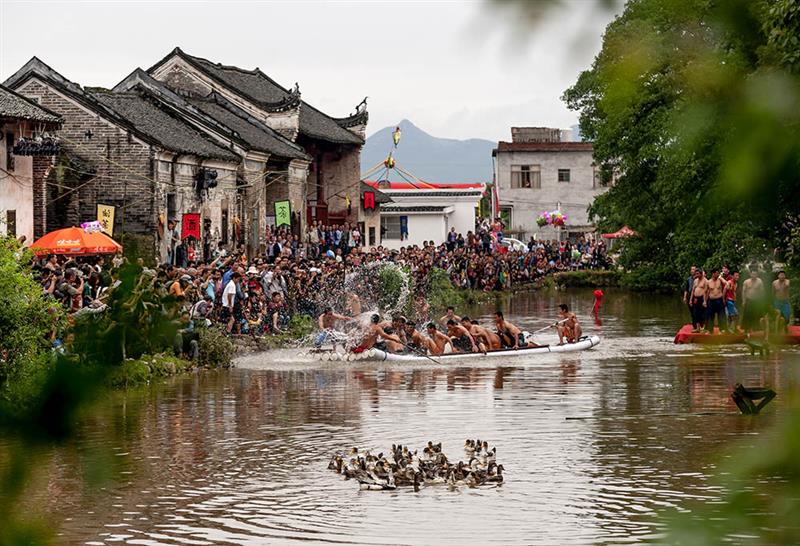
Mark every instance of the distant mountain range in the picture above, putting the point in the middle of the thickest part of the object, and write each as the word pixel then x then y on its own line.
pixel 432 159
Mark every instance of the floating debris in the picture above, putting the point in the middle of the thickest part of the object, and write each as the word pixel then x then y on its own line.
pixel 405 468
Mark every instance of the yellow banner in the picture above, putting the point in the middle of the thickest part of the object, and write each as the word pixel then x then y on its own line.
pixel 283 213
pixel 105 215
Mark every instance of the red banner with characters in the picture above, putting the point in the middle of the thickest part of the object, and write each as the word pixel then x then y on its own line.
pixel 369 200
pixel 190 226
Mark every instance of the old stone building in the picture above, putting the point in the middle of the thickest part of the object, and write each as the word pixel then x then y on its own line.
pixel 538 172
pixel 328 188
pixel 126 150
pixel 26 151
pixel 146 146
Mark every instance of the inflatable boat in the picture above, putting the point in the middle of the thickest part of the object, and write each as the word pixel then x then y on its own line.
pixel 378 355
pixel 686 335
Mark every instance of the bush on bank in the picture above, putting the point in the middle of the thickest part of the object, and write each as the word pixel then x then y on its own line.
pixel 142 370
pixel 588 278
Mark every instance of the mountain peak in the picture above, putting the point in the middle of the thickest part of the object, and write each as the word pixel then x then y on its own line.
pixel 430 158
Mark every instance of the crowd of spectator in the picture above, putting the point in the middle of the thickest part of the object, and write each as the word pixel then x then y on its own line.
pixel 305 275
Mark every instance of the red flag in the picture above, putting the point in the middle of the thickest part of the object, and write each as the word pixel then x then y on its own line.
pixel 369 200
pixel 190 226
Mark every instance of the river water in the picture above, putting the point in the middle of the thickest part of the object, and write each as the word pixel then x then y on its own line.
pixel 593 443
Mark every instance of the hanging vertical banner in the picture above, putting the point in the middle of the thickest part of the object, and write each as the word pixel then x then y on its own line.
pixel 190 226
pixel 105 215
pixel 283 213
pixel 369 200
pixel 403 227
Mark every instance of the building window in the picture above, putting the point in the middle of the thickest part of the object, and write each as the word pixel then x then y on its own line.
pixel 184 169
pixel 9 151
pixel 526 176
pixel 11 223
pixel 165 167
pixel 390 227
pixel 563 175
pixel 172 207
pixel 597 179
pixel 251 165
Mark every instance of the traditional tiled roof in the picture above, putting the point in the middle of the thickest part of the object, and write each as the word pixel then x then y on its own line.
pixel 257 135
pixel 266 92
pixel 543 147
pixel 146 116
pixel 131 111
pixel 15 106
pixel 421 185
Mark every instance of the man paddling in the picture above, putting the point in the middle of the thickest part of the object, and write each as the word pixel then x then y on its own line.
pixel 463 342
pixel 327 322
pixel 569 328
pixel 510 336
pixel 374 332
pixel 487 341
pixel 437 342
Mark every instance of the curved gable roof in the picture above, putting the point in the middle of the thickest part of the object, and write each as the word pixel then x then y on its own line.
pixel 264 91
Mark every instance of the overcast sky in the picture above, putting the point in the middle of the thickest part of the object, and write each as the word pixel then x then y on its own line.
pixel 455 69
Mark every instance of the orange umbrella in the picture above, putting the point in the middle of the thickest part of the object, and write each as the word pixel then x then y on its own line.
pixel 75 241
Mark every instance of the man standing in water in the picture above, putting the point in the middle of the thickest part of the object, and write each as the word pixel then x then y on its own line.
pixel 752 300
pixel 780 295
pixel 450 315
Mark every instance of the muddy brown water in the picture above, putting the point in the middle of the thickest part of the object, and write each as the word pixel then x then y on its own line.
pixel 593 444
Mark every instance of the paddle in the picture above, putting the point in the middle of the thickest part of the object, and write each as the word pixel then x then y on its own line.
pixel 419 352
pixel 549 326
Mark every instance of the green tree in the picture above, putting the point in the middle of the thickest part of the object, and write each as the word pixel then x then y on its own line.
pixel 693 109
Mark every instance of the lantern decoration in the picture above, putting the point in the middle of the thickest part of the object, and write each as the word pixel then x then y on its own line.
pixel 555 218
pixel 396 136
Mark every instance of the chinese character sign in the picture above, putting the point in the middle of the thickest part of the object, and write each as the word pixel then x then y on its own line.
pixel 283 213
pixel 105 215
pixel 190 226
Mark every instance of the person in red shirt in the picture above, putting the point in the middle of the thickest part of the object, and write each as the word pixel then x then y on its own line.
pixel 732 278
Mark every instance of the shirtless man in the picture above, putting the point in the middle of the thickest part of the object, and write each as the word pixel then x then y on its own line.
pixel 698 300
pixel 450 315
pixel 486 340
pixel 752 300
pixel 462 340
pixel 437 341
pixel 327 322
pixel 569 328
pixel 715 300
pixel 510 336
pixel 780 295
pixel 374 332
pixel 415 342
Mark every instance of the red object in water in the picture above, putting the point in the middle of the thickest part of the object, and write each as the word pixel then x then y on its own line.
pixel 598 301
pixel 687 335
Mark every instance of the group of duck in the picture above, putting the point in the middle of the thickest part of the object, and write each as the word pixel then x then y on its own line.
pixel 405 468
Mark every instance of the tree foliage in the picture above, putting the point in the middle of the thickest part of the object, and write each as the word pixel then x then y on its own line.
pixel 693 110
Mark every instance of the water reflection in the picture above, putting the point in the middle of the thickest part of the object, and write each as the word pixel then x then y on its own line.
pixel 592 443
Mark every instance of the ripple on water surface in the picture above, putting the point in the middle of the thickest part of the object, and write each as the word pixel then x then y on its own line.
pixel 592 443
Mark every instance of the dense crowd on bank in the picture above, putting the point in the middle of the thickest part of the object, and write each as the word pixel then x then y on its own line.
pixel 304 276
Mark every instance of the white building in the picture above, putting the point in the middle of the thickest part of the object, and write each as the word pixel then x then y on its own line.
pixel 425 212
pixel 538 172
pixel 22 126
